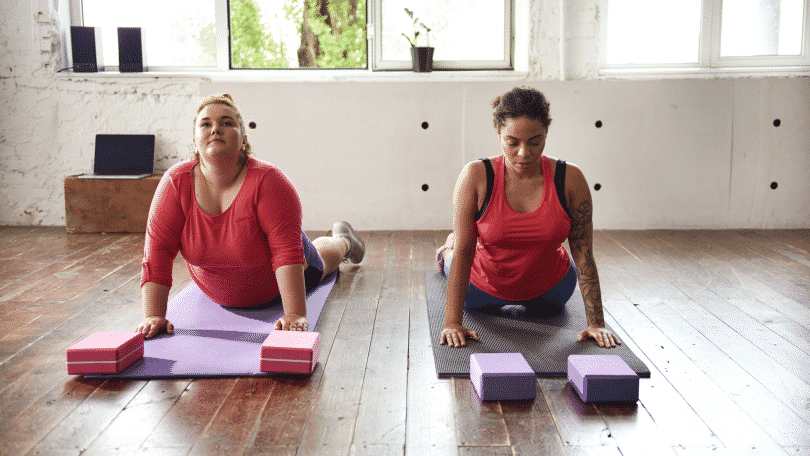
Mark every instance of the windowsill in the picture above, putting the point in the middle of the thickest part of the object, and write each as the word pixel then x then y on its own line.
pixel 703 73
pixel 311 75
pixel 438 75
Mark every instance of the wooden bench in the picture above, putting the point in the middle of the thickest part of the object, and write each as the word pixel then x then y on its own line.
pixel 96 205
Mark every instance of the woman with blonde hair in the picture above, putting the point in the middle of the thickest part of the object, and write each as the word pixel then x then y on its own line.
pixel 237 222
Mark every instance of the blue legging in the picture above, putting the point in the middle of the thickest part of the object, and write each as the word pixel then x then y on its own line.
pixel 549 304
pixel 314 270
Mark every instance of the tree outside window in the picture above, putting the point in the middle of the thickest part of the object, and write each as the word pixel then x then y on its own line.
pixel 298 34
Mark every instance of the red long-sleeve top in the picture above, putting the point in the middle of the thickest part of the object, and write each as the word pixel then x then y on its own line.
pixel 232 256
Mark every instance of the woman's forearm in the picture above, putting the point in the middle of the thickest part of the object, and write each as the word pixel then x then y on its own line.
pixel 291 286
pixel 154 299
pixel 457 285
pixel 591 289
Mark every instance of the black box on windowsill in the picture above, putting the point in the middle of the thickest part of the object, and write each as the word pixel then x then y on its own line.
pixel 86 49
pixel 130 50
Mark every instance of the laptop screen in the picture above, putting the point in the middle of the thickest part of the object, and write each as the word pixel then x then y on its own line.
pixel 128 155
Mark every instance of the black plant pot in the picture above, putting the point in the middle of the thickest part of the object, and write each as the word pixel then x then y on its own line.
pixel 422 59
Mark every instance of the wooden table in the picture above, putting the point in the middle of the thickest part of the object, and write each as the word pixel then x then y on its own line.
pixel 99 205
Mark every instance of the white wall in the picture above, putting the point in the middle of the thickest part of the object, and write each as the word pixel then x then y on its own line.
pixel 48 121
pixel 671 153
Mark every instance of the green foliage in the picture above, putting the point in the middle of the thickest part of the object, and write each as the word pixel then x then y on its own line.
pixel 251 45
pixel 343 44
pixel 207 38
pixel 204 34
pixel 340 34
pixel 294 11
pixel 416 31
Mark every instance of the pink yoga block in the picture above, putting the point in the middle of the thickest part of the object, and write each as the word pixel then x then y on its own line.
pixel 502 377
pixel 105 353
pixel 290 352
pixel 602 378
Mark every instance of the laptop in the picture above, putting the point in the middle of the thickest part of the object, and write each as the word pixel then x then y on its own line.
pixel 123 157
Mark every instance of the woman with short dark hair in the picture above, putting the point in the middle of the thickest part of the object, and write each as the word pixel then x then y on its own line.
pixel 511 214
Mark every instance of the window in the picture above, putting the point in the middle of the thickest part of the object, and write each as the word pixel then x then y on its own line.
pixel 182 35
pixel 298 34
pixel 259 34
pixel 757 27
pixel 704 34
pixel 653 32
pixel 466 34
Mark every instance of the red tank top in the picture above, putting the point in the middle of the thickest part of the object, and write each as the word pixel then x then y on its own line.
pixel 519 256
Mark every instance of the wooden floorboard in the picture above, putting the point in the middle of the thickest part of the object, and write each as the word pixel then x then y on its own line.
pixel 722 319
pixel 430 422
pixel 736 430
pixel 331 425
pixel 283 419
pixel 381 414
pixel 132 426
pixel 678 424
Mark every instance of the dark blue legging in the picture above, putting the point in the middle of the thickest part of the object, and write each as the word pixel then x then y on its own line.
pixel 549 304
pixel 314 271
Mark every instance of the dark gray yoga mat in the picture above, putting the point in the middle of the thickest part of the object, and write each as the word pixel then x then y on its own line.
pixel 545 343
pixel 214 341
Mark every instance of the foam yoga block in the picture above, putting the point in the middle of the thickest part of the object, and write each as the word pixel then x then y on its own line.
pixel 502 377
pixel 105 353
pixel 290 352
pixel 602 378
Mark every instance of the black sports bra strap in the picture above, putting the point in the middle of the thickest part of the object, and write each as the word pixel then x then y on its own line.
pixel 490 186
pixel 559 184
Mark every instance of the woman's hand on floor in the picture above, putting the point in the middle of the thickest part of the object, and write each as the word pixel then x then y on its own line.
pixel 152 326
pixel 456 335
pixel 603 336
pixel 292 322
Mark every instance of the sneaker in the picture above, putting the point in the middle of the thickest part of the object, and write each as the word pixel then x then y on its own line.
pixel 448 244
pixel 357 248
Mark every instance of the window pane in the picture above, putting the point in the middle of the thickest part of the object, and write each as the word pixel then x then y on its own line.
pixel 181 34
pixel 268 33
pixel 459 29
pixel 761 27
pixel 646 31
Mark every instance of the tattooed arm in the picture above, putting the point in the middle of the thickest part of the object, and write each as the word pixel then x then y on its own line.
pixel 580 239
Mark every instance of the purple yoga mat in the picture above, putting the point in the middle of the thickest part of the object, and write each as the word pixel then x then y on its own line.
pixel 214 341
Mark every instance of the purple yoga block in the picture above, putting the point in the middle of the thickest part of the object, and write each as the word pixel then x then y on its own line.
pixel 502 377
pixel 602 378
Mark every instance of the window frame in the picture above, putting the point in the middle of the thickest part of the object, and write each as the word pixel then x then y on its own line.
pixel 71 13
pixel 373 31
pixel 709 58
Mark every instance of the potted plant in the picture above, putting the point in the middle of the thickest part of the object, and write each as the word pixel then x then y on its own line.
pixel 422 55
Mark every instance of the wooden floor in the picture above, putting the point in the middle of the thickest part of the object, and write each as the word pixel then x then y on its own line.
pixel 722 318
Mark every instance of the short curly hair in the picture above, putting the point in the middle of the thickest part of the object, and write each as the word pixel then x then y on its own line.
pixel 521 102
pixel 226 100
